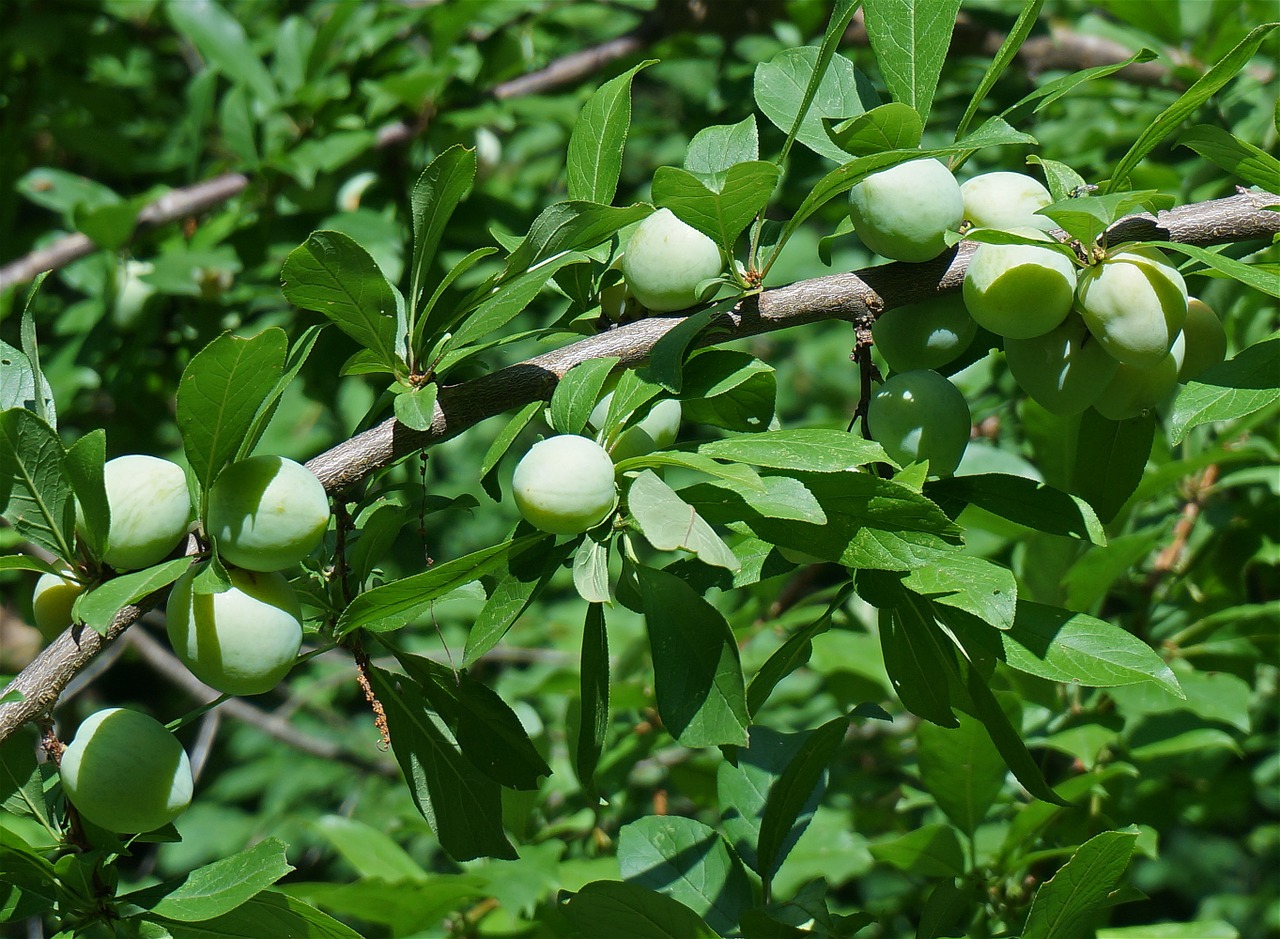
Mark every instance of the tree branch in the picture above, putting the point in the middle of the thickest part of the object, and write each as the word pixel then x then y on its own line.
pixel 856 297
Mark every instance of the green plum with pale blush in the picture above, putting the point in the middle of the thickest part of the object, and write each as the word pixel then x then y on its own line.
pixel 267 513
pixel 904 212
pixel 1063 370
pixel 1205 341
pixel 125 772
pixel 665 261
pixel 656 430
pixel 1017 290
pixel 150 510
pixel 565 485
pixel 242 641
pixel 1135 303
pixel 928 334
pixel 1005 200
pixel 918 416
pixel 51 602
pixel 1135 390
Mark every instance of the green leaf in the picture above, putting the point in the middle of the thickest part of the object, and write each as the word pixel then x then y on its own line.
pixel 221 40
pixel 215 889
pixel 269 915
pixel 84 462
pixel 1110 459
pixel 697 671
pixel 1034 504
pixel 1196 929
pixel 928 851
pixel 1085 218
pixel 501 444
pixel 396 604
pixel 713 151
pixel 1074 647
pixel 42 403
pixel 22 781
pixel 25 562
pixel 461 804
pixel 528 574
pixel 28 885
pixel 1204 88
pixel 416 408
pixel 816 450
pixel 1000 61
pixel 689 862
pixel 98 607
pixel 18 382
pixel 1239 157
pixel 972 584
pixel 961 769
pixel 570 226
pixel 910 39
pixel 1006 738
pixel 576 393
pixel 1228 391
pixel 671 524
pixel 919 666
pixel 792 791
pixel 431 323
pixel 1062 180
pixel 371 851
pixel 331 274
pixel 35 494
pixel 591 568
pixel 1063 907
pixel 729 389
pixel 409 907
pixel 220 394
pixel 629 911
pixel 504 304
pixel 593 162
pixel 593 693
pixel 436 194
pixel 892 126
pixel 782 86
pixel 792 654
pixel 299 352
pixel 723 214
pixel 1258 276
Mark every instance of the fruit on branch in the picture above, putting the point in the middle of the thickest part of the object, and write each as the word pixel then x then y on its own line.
pixel 617 302
pixel 150 510
pixel 904 212
pixel 51 602
pixel 241 641
pixel 919 415
pixel 1205 340
pixel 1005 200
pixel 1136 389
pixel 564 485
pixel 1064 370
pixel 924 335
pixel 1019 291
pixel 1135 303
pixel 267 513
pixel 132 293
pixel 666 260
pixel 124 772
pixel 657 430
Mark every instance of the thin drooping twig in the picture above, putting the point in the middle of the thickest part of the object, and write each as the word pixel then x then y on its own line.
pixel 854 297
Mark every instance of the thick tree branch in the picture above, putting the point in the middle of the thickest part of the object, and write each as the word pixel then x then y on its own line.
pixel 856 297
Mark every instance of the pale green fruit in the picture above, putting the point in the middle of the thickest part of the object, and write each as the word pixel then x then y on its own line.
pixel 488 153
pixel 267 513
pixel 657 430
pixel 124 772
pixel 1064 370
pixel 1205 340
pixel 904 212
pixel 132 293
pixel 1005 200
pixel 924 335
pixel 150 510
pixel 1019 291
pixel 616 300
pixel 666 260
pixel 1136 389
pixel 51 603
pixel 242 641
pixel 1135 302
pixel 565 485
pixel 919 416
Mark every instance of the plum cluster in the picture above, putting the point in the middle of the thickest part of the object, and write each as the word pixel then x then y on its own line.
pixel 1115 336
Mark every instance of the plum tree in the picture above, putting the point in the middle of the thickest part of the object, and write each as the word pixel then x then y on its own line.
pixel 241 641
pixel 1005 200
pixel 924 335
pixel 1063 370
pixel 51 602
pixel 1019 291
pixel 1135 303
pixel 919 415
pixel 666 260
pixel 904 212
pixel 1205 341
pixel 565 485
pixel 657 430
pixel 267 513
pixel 150 510
pixel 1137 389
pixel 125 772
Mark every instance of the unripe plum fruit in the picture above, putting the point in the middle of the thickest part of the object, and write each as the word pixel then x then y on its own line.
pixel 267 513
pixel 1135 303
pixel 51 602
pixel 242 641
pixel 124 772
pixel 1064 370
pixel 919 415
pixel 666 259
pixel 1019 291
pixel 924 335
pixel 1005 200
pixel 657 430
pixel 904 212
pixel 150 510
pixel 565 485
pixel 1205 341
pixel 1137 389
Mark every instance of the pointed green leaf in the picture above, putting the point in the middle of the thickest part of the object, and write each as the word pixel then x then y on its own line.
pixel 714 150
pixel 1228 391
pixel 221 40
pixel 782 86
pixel 436 194
pixel 1034 504
pixel 576 393
pixel 962 769
pixel 720 215
pixel 416 408
pixel 893 126
pixel 1006 738
pixel 35 494
pixel 593 693
pixel 910 39
pixel 216 888
pixel 269 915
pixel 629 911
pixel 593 162
pixel 1110 459
pixel 816 450
pixel 84 463
pixel 1238 157
pixel 1064 906
pixel 1000 61
pixel 298 354
pixel 671 524
pixel 98 608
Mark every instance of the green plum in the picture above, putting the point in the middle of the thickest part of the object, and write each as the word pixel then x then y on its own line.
pixel 1136 389
pixel 125 772
pixel 267 513
pixel 919 415
pixel 1064 370
pixel 1205 340
pixel 657 430
pixel 242 641
pixel 924 335
pixel 565 485
pixel 51 602
pixel 666 260
pixel 1019 291
pixel 1135 303
pixel 1005 200
pixel 150 510
pixel 904 212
